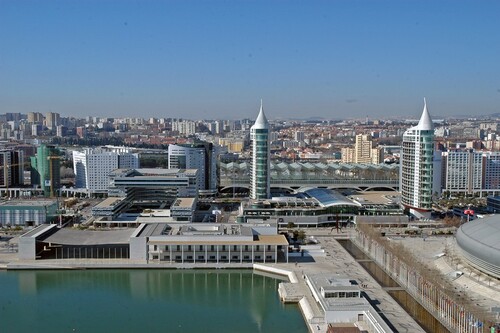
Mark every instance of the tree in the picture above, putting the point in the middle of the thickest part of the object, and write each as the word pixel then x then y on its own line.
pixel 301 236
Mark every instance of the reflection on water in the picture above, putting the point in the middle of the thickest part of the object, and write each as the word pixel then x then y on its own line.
pixel 418 312
pixel 144 300
pixel 414 309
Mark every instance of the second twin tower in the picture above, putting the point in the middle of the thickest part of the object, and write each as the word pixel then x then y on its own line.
pixel 260 173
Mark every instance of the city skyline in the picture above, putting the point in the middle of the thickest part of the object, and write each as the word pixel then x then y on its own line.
pixel 215 60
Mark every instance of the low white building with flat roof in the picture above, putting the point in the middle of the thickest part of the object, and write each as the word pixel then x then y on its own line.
pixel 342 301
pixel 182 209
pixel 199 243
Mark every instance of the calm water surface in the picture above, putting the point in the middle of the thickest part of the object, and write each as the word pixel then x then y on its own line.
pixel 143 301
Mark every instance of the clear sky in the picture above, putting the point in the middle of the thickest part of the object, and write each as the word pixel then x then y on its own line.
pixel 217 59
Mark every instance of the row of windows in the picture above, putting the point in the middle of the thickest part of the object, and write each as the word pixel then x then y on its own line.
pixel 341 294
pixel 212 258
pixel 212 247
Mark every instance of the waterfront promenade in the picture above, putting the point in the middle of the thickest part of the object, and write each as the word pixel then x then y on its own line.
pixel 336 261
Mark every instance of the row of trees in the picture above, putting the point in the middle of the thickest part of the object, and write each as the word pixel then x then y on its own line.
pixel 430 276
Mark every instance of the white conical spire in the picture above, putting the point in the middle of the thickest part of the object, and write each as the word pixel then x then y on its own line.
pixel 261 121
pixel 425 123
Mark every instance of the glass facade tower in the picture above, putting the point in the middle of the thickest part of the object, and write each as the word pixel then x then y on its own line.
pixel 261 168
pixel 45 169
pixel 417 166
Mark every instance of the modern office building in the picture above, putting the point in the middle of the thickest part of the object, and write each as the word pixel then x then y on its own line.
pixel 93 166
pixel 45 169
pixel 417 166
pixel 154 188
pixel 260 173
pixel 11 168
pixel 201 156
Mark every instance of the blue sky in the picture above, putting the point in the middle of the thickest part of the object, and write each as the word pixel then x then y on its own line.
pixel 217 59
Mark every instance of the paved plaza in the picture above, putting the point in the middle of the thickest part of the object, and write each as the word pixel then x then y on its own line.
pixel 442 252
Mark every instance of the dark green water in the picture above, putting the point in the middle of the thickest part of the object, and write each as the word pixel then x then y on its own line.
pixel 143 301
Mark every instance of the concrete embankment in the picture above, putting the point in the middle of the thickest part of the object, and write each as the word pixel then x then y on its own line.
pixel 296 291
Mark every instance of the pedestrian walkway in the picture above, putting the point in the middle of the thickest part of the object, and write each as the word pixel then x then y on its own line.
pixel 338 261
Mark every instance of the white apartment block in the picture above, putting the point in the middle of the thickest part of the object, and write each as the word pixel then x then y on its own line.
pixel 471 172
pixel 462 171
pixel 184 127
pixel 93 166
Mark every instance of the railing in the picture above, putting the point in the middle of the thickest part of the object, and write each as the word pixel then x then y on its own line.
pixel 437 301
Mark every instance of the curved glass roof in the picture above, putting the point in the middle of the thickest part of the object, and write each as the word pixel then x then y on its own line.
pixel 327 198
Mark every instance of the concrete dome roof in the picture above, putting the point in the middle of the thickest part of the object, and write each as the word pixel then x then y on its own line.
pixel 480 244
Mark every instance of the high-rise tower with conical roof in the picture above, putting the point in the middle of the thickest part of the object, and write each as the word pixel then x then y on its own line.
pixel 416 163
pixel 261 167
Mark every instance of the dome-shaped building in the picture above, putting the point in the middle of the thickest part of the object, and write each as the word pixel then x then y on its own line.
pixel 479 241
